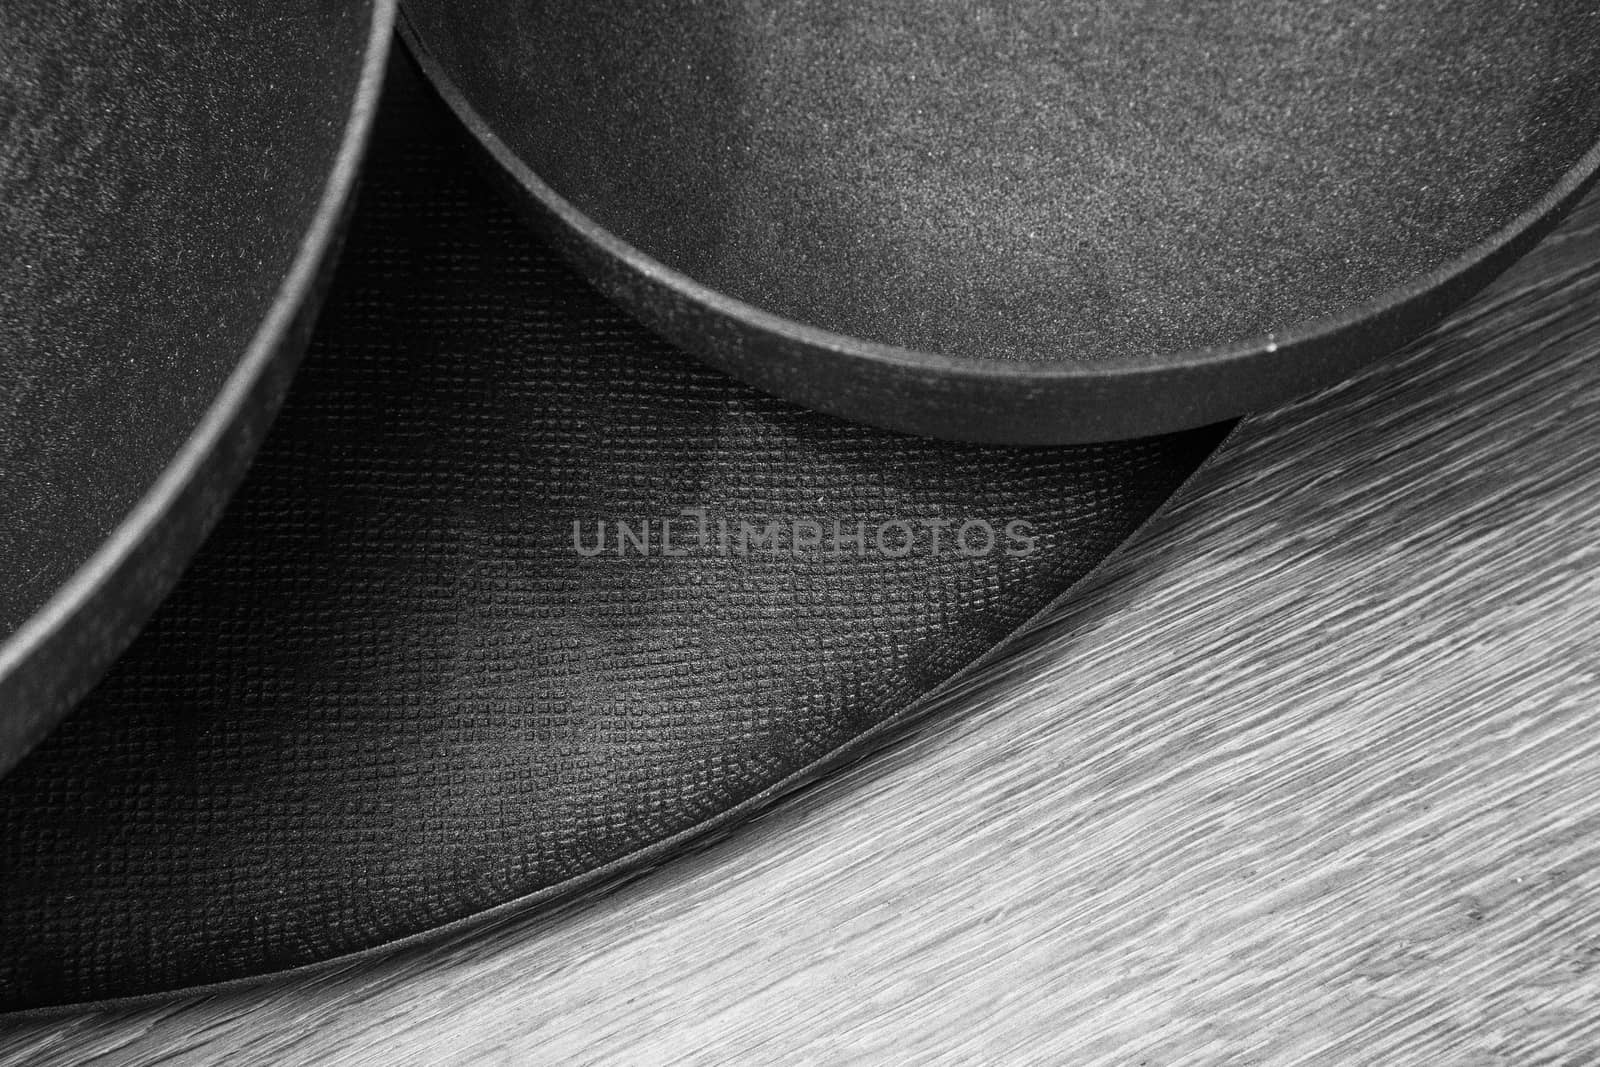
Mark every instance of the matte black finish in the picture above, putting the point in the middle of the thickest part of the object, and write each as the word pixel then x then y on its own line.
pixel 172 179
pixel 390 696
pixel 1032 221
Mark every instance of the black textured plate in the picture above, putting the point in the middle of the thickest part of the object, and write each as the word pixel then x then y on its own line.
pixel 391 694
pixel 172 180
pixel 1035 221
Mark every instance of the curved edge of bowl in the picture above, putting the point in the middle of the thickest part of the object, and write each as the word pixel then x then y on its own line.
pixel 50 662
pixel 992 401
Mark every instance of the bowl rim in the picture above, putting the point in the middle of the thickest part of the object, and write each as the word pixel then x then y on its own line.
pixel 893 358
pixel 71 604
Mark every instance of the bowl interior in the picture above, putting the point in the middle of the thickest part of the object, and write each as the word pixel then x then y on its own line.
pixel 1039 180
pixel 159 166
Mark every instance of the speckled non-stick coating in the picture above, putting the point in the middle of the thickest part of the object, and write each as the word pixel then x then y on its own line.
pixel 1037 179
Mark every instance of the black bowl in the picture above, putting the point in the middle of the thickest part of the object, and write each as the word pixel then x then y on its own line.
pixel 173 178
pixel 1031 222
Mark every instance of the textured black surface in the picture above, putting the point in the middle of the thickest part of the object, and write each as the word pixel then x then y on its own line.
pixel 389 694
pixel 1042 179
pixel 1057 186
pixel 166 170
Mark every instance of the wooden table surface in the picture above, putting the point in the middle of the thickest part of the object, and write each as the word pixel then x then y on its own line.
pixel 1310 774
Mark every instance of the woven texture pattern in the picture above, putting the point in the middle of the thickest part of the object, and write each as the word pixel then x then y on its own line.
pixel 391 694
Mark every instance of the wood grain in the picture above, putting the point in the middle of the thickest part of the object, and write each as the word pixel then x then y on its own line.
pixel 1311 774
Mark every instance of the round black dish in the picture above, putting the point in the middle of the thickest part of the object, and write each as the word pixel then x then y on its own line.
pixel 1031 222
pixel 173 178
pixel 391 696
